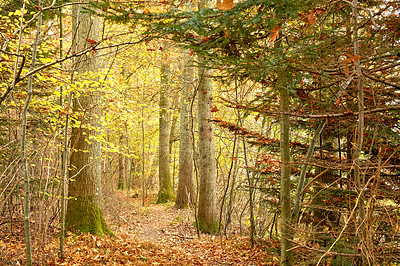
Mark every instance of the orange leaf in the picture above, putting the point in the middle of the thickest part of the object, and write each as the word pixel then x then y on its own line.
pixel 346 71
pixel 311 18
pixel 226 34
pixel 353 58
pixel 339 100
pixel 274 34
pixel 214 109
pixel 91 41
pixel 225 4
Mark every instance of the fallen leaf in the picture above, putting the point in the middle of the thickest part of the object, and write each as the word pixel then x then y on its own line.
pixel 225 4
pixel 274 34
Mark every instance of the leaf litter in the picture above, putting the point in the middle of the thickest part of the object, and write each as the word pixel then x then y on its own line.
pixel 157 234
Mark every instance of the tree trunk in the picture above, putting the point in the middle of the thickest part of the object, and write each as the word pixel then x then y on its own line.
pixel 186 194
pixel 165 193
pixel 27 221
pixel 207 211
pixel 366 251
pixel 286 232
pixel 83 211
pixel 121 163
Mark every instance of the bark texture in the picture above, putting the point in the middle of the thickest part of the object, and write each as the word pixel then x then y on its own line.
pixel 83 211
pixel 121 164
pixel 165 193
pixel 285 177
pixel 207 211
pixel 186 194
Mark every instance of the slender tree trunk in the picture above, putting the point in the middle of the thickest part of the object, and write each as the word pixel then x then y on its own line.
pixel 186 194
pixel 143 143
pixel 83 211
pixel 27 227
pixel 165 193
pixel 304 170
pixel 286 232
pixel 121 163
pixel 360 134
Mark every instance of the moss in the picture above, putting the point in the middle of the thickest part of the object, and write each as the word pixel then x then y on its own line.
pixel 211 229
pixel 121 185
pixel 84 216
pixel 165 195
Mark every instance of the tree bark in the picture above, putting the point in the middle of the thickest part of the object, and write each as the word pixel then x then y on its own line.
pixel 165 192
pixel 362 225
pixel 286 232
pixel 186 194
pixel 207 211
pixel 83 211
pixel 121 163
pixel 27 221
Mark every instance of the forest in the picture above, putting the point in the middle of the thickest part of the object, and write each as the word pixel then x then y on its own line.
pixel 227 132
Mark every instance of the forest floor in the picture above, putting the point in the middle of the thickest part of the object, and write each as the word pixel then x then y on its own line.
pixel 156 234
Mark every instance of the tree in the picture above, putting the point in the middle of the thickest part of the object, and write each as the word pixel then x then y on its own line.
pixel 121 163
pixel 186 194
pixel 83 211
pixel 165 192
pixel 207 211
pixel 23 146
pixel 285 197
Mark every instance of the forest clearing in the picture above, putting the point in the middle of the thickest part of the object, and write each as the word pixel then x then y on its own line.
pixel 207 132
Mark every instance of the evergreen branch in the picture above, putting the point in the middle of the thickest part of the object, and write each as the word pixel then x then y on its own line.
pixel 397 86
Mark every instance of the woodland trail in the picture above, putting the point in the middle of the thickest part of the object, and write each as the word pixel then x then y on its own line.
pixel 156 234
pixel 158 223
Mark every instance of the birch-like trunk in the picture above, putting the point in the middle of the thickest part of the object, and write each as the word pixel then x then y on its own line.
pixel 186 194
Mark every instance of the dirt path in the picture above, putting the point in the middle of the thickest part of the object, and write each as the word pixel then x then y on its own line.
pixel 157 234
pixel 174 234
pixel 158 223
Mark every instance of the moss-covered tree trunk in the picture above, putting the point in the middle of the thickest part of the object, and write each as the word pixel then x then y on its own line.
pixel 165 193
pixel 186 194
pixel 83 211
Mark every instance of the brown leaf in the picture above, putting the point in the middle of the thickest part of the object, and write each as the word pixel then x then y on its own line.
pixel 225 4
pixel 346 70
pixel 353 58
pixel 274 34
pixel 311 18
pixel 226 34
pixel 339 100
pixel 214 109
